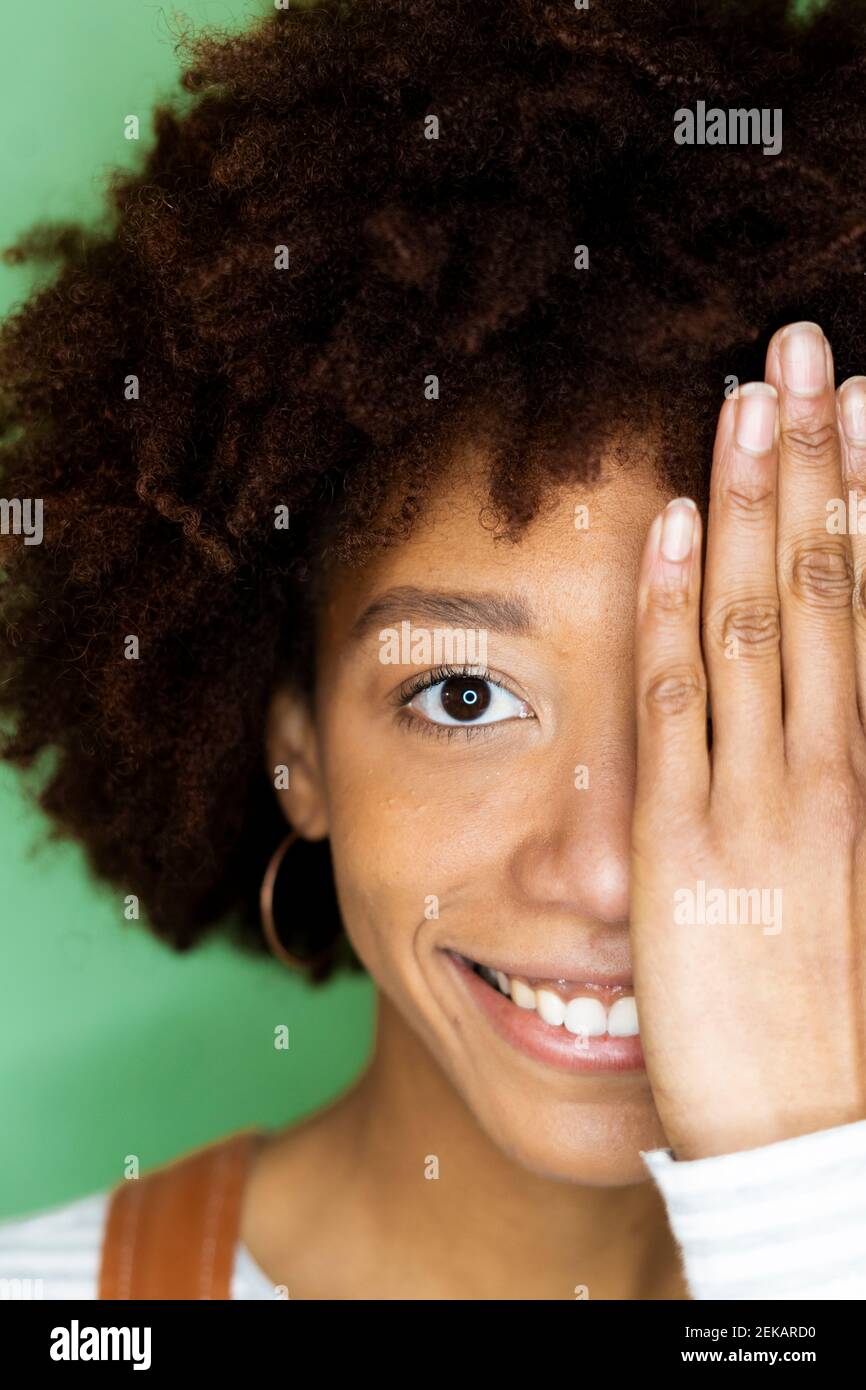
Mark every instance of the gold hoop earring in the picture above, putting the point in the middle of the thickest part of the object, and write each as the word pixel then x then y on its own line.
pixel 269 926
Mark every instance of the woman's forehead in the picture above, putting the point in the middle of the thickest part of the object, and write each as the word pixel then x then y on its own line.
pixel 583 545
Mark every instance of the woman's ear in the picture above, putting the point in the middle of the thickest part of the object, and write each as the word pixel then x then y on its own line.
pixel 294 765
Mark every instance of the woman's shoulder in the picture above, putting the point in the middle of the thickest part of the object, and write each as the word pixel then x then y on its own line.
pixel 54 1253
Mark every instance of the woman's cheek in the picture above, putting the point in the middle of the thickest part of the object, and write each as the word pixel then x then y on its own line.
pixel 412 854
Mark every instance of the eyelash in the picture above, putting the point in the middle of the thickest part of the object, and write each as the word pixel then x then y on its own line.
pixel 425 681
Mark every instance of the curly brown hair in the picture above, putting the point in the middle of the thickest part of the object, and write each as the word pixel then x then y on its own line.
pixel 296 378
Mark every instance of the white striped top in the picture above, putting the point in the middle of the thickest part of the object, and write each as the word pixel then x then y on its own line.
pixel 56 1254
pixel 784 1221
pixel 787 1221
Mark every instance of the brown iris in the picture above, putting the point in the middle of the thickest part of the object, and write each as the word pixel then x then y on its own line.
pixel 465 697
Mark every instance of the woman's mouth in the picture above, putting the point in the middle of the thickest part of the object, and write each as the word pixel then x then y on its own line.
pixel 575 1025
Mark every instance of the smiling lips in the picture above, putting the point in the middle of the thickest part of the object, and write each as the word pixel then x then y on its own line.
pixel 569 1006
pixel 579 1026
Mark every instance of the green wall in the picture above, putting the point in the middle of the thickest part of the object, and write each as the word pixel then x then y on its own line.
pixel 110 1043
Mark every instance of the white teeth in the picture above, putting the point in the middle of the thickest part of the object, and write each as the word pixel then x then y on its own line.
pixel 550 1006
pixel 522 994
pixel 586 1016
pixel 622 1019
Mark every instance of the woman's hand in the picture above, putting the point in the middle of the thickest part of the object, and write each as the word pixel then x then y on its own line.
pixel 753 1004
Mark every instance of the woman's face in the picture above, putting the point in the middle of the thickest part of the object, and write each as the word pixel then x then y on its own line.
pixel 494 822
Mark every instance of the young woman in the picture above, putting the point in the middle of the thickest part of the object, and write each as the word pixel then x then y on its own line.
pixel 374 440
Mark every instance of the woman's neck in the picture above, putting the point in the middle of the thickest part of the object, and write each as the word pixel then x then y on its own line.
pixel 394 1191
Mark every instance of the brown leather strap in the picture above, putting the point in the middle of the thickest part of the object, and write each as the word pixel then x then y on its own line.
pixel 173 1232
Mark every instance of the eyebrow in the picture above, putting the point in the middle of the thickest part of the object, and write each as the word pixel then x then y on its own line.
pixel 451 607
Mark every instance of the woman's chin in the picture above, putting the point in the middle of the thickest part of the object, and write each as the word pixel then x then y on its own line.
pixel 613 1164
pixel 595 1143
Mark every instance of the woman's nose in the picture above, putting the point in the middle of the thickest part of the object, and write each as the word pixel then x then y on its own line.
pixel 574 849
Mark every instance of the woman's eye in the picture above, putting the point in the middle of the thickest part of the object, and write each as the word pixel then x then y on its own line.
pixel 468 700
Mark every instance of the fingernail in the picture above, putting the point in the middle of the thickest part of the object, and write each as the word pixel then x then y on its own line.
pixel 678 528
pixel 804 359
pixel 755 429
pixel 852 409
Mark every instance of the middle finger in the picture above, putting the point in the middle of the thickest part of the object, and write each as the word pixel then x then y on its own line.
pixel 815 573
